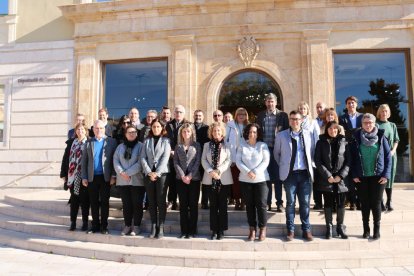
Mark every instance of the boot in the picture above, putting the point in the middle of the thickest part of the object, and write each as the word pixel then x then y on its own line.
pixel 383 209
pixel 84 225
pixel 340 227
pixel 161 231
pixel 72 226
pixel 262 234
pixel 328 221
pixel 153 231
pixel 376 235
pixel 365 235
pixel 252 233
pixel 388 191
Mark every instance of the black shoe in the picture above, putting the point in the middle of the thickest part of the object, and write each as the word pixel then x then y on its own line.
pixel 220 235
pixel 92 230
pixel 279 209
pixel 269 207
pixel 365 235
pixel 383 208
pixel 376 236
pixel 72 226
pixel 317 207
pixel 182 236
pixel 84 226
pixel 104 231
pixel 204 206
pixel 188 236
pixel 213 235
pixel 352 207
pixel 174 206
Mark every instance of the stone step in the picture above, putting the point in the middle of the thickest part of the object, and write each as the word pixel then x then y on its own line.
pixel 209 258
pixel 230 243
pixel 236 228
pixel 57 204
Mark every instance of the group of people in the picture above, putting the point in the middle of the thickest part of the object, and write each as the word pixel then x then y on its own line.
pixel 166 157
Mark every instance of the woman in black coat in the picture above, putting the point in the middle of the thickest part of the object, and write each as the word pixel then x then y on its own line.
pixel 332 157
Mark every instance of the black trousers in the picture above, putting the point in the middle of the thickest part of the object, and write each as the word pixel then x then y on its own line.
pixel 334 199
pixel 81 200
pixel 132 197
pixel 156 193
pixel 317 195
pixel 370 195
pixel 188 196
pixel 218 208
pixel 255 197
pixel 99 192
pixel 172 183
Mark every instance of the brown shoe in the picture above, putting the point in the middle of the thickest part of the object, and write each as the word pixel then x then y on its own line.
pixel 307 236
pixel 252 234
pixel 262 234
pixel 290 236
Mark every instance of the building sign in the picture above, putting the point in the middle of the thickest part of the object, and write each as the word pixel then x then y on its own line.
pixel 41 80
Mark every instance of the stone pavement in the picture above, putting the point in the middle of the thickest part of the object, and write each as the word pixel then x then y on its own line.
pixel 22 262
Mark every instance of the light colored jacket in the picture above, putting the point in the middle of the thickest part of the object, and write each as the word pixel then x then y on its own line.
pixel 255 159
pixel 233 139
pixel 131 167
pixel 155 157
pixel 283 152
pixel 187 163
pixel 223 166
pixel 109 148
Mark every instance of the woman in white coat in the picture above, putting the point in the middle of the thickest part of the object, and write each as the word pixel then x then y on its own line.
pixel 216 162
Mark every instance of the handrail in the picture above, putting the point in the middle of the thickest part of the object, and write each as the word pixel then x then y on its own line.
pixel 15 182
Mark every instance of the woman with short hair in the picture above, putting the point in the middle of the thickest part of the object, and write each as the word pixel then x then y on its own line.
pixel 154 157
pixel 252 159
pixel 187 156
pixel 370 170
pixel 129 180
pixel 216 162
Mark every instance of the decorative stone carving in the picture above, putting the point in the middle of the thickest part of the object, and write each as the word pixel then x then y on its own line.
pixel 248 50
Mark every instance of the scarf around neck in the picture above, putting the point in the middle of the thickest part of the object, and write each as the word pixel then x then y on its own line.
pixel 369 139
pixel 129 146
pixel 215 148
pixel 74 172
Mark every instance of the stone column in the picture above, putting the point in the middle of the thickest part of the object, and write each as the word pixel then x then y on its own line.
pixel 86 98
pixel 317 69
pixel 183 73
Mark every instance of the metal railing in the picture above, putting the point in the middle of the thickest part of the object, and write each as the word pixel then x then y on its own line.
pixel 15 182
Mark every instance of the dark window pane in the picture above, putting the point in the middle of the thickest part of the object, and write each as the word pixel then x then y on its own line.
pixel 377 78
pixel 135 84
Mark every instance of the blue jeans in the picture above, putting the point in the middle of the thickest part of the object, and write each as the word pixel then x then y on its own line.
pixel 273 170
pixel 298 184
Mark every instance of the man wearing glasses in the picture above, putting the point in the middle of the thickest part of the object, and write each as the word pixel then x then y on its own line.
pixel 172 129
pixel 293 151
pixel 218 116
pixel 272 121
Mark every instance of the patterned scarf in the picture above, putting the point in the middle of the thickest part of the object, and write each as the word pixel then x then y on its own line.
pixel 215 148
pixel 369 139
pixel 75 156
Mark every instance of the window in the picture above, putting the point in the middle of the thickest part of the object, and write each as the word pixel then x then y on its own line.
pixel 141 84
pixel 4 7
pixel 248 89
pixel 376 78
pixel 2 112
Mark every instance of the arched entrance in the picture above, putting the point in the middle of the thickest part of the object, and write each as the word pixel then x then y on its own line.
pixel 248 89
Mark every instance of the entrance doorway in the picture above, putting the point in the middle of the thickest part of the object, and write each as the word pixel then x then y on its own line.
pixel 248 89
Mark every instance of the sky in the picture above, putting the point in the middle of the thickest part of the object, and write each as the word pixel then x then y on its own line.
pixel 3 6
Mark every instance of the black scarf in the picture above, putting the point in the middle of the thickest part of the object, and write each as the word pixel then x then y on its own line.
pixel 215 148
pixel 129 146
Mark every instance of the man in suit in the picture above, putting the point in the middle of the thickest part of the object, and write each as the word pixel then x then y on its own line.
pixel 98 175
pixel 103 116
pixel 272 121
pixel 151 115
pixel 172 130
pixel 202 138
pixel 293 151
pixel 351 121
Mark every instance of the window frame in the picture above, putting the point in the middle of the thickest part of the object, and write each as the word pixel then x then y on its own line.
pixel 7 83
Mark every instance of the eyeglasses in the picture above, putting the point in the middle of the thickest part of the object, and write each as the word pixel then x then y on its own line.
pixel 131 132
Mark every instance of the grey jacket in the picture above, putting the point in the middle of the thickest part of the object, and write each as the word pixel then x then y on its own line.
pixel 131 167
pixel 283 152
pixel 187 163
pixel 109 148
pixel 155 157
pixel 223 166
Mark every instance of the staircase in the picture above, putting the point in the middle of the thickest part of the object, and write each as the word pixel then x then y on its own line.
pixel 39 221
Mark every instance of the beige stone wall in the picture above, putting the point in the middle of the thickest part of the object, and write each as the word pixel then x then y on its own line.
pixel 42 20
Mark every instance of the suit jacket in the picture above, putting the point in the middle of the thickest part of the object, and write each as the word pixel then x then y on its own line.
pixel 155 157
pixel 282 120
pixel 202 134
pixel 172 131
pixel 346 123
pixel 187 163
pixel 223 166
pixel 109 130
pixel 109 148
pixel 283 152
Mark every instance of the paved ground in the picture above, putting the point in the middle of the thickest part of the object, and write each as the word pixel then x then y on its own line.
pixel 21 262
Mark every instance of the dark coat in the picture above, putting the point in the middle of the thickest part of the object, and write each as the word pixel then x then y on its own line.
pixel 323 162
pixel 383 163
pixel 346 123
pixel 172 131
pixel 64 167
pixel 202 134
pixel 282 120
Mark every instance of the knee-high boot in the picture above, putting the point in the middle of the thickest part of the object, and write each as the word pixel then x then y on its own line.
pixel 365 221
pixel 328 221
pixel 340 227
pixel 388 191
